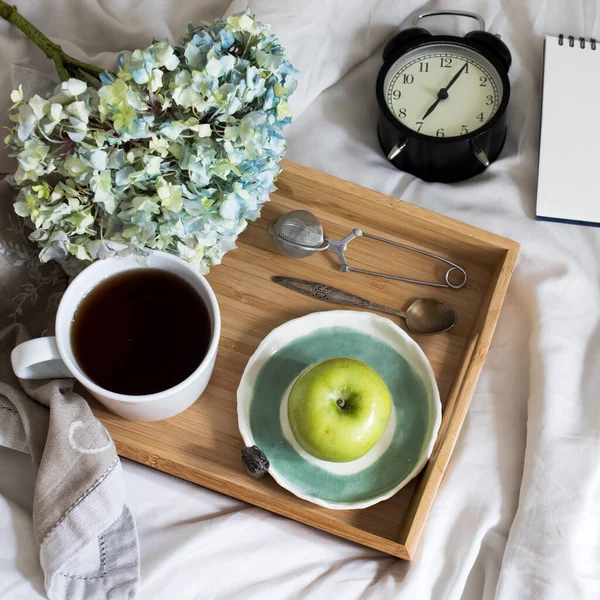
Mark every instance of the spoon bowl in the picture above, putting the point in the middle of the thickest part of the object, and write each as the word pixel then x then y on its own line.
pixel 427 316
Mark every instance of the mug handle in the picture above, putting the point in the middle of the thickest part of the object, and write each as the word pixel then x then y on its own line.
pixel 39 359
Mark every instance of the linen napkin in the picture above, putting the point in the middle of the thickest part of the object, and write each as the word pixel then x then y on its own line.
pixel 86 532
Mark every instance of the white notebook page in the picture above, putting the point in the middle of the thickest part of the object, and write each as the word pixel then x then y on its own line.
pixel 569 169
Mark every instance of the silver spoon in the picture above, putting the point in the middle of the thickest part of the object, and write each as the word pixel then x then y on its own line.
pixel 424 316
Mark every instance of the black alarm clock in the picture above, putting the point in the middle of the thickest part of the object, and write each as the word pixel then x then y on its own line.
pixel 443 101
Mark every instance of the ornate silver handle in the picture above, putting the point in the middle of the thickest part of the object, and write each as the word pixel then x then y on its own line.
pixel 455 13
pixel 327 293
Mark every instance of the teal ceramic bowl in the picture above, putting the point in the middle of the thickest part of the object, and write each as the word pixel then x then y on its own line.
pixel 407 441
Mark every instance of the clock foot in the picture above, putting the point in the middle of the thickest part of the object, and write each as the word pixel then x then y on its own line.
pixel 397 149
pixel 480 155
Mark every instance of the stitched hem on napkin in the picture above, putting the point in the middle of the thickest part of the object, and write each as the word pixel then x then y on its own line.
pixel 81 498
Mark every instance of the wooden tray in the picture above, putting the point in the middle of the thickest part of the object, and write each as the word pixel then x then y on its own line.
pixel 203 445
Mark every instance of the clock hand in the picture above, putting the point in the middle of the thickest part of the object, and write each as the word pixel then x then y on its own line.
pixel 453 80
pixel 443 93
pixel 432 107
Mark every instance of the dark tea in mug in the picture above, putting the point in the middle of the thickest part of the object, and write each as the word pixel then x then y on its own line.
pixel 140 332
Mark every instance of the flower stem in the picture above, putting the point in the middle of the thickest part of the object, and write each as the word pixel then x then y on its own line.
pixel 66 66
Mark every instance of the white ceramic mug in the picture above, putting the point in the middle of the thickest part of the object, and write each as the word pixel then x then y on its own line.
pixel 52 357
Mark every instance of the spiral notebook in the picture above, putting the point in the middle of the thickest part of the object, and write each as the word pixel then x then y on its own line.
pixel 569 168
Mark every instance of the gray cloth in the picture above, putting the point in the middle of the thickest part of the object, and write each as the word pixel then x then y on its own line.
pixel 86 532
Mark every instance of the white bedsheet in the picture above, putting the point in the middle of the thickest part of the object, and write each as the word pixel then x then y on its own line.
pixel 517 516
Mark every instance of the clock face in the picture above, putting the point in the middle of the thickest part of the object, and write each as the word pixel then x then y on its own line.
pixel 443 90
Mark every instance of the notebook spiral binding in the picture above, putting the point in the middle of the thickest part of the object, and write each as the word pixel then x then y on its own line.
pixel 571 39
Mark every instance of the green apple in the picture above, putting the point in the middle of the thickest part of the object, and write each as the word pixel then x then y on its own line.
pixel 338 409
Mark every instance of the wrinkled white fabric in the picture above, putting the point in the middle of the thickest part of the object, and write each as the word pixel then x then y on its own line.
pixel 517 514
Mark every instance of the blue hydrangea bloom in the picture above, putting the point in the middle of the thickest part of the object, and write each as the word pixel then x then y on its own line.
pixel 176 151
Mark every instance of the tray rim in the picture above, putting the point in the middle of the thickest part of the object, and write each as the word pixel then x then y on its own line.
pixel 457 403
